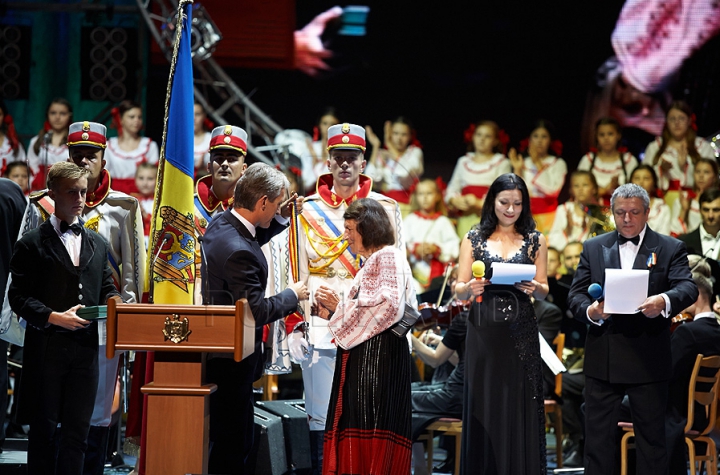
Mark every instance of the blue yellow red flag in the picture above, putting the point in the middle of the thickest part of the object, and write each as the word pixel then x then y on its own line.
pixel 171 260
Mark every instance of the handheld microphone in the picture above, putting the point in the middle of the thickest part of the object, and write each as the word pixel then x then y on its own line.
pixel 596 292
pixel 478 270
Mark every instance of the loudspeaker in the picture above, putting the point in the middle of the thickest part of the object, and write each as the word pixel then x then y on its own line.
pixel 268 454
pixel 109 63
pixel 295 428
pixel 15 61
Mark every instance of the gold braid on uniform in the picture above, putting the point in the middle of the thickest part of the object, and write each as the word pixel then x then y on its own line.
pixel 332 252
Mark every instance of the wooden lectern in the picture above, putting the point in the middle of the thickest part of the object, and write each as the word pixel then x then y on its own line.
pixel 178 407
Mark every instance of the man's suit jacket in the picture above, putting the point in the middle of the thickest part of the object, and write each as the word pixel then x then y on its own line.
pixel 236 268
pixel 694 246
pixel 12 207
pixel 632 348
pixel 44 280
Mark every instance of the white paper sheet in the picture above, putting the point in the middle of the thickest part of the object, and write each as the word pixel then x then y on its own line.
pixel 505 273
pixel 549 357
pixel 625 290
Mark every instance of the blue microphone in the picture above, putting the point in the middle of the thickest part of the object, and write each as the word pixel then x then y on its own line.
pixel 596 292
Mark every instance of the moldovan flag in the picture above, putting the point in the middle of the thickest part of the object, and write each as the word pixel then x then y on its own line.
pixel 171 259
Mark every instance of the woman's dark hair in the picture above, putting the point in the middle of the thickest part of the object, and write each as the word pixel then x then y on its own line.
pixel 126 105
pixel 544 124
pixel 651 170
pixel 57 100
pixel 329 110
pixel 525 223
pixel 690 135
pixel 5 129
pixel 496 130
pixel 608 121
pixel 17 164
pixel 373 223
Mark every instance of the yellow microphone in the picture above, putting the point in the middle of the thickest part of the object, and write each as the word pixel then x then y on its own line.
pixel 478 270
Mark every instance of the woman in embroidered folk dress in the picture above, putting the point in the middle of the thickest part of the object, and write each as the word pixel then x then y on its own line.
pixel 430 237
pixel 126 151
pixel 50 144
pixel 503 413
pixel 544 173
pixel 202 126
pixel 368 429
pixel 676 152
pixel 686 210
pixel 475 172
pixel 660 214
pixel 610 164
pixel 11 150
pixel 397 166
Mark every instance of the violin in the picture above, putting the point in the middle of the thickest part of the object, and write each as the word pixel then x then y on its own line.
pixel 679 319
pixel 434 314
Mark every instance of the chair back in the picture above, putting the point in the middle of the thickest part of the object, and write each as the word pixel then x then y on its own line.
pixel 559 343
pixel 703 390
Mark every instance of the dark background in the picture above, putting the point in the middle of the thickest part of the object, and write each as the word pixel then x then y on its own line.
pixel 445 65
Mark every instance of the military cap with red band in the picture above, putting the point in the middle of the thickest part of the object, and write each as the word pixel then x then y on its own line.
pixel 87 134
pixel 229 137
pixel 346 136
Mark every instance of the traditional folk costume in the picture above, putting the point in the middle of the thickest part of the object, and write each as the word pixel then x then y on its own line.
pixel 398 175
pixel 544 185
pixel 122 165
pixel 434 229
pixel 369 420
pixel 471 177
pixel 579 231
pixel 677 178
pixel 116 217
pixel 677 225
pixel 8 155
pixel 40 163
pixel 604 172
pixel 201 153
pixel 660 216
pixel 325 259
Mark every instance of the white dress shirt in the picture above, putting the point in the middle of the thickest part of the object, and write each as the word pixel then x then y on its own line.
pixel 709 243
pixel 628 253
pixel 71 241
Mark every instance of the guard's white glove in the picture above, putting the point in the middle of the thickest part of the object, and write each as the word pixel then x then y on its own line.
pixel 299 347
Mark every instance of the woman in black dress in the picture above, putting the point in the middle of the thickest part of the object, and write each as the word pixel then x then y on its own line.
pixel 503 415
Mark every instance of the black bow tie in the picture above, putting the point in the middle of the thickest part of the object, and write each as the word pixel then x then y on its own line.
pixel 64 227
pixel 622 239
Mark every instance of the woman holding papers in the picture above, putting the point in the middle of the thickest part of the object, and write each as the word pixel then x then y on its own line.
pixel 503 418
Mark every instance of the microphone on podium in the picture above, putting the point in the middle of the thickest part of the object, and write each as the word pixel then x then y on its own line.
pixel 478 270
pixel 596 292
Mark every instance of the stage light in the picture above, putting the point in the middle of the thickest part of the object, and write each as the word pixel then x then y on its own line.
pixel 204 36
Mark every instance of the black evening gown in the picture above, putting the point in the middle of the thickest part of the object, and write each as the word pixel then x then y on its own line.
pixel 504 412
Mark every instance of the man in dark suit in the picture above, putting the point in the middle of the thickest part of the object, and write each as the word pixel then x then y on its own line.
pixel 704 240
pixel 12 207
pixel 235 268
pixel 57 269
pixel 701 336
pixel 630 353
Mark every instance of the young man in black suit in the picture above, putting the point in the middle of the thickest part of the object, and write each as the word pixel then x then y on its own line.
pixel 705 240
pixel 56 269
pixel 236 267
pixel 630 353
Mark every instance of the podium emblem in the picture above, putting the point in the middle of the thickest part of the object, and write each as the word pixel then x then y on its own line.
pixel 176 330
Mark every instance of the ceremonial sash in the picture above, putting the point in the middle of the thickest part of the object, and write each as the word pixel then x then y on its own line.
pixel 330 231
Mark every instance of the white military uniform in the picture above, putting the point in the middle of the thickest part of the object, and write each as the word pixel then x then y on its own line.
pixel 321 263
